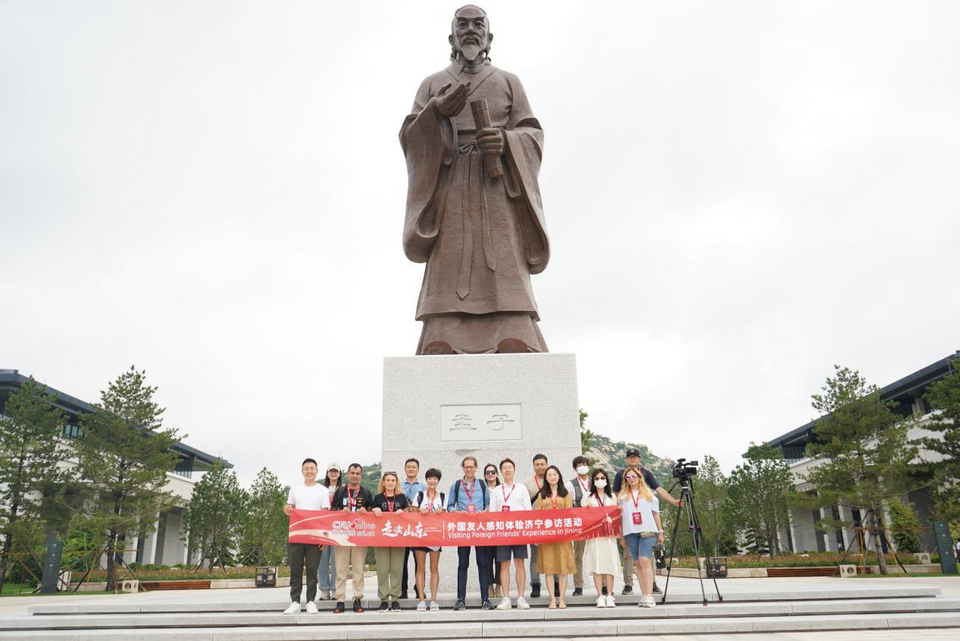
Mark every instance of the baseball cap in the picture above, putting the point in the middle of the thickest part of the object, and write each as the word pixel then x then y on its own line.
pixel 632 451
pixel 333 466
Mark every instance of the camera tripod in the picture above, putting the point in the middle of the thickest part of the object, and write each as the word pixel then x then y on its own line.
pixel 686 501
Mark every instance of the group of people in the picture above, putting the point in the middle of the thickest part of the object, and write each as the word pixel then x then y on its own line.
pixel 634 489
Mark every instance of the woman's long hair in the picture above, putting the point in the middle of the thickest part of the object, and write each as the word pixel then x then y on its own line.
pixel 495 471
pixel 593 484
pixel 545 489
pixel 326 479
pixel 396 489
pixel 625 493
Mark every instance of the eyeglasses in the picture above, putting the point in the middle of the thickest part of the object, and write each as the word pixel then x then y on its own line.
pixel 489 472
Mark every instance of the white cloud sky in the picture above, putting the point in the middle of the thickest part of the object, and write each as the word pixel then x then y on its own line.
pixel 739 195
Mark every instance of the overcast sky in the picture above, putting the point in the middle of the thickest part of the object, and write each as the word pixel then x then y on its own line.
pixel 738 194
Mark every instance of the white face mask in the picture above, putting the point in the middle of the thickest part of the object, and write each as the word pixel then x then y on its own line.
pixel 582 470
pixel 600 483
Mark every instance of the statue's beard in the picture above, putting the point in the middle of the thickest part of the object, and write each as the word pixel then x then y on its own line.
pixel 471 52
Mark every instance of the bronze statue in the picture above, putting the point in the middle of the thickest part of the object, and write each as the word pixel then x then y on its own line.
pixel 474 214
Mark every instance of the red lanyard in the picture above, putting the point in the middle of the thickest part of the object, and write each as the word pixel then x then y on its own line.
pixel 584 488
pixel 431 500
pixel 506 497
pixel 553 499
pixel 352 498
pixel 473 488
pixel 390 503
pixel 537 482
pixel 636 500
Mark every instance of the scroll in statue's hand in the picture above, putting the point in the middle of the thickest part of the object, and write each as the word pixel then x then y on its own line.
pixel 490 141
pixel 450 103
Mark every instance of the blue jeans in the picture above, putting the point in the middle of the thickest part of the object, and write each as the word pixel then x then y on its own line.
pixel 328 569
pixel 640 547
pixel 483 565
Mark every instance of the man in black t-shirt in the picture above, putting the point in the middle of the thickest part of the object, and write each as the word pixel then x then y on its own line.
pixel 633 460
pixel 351 497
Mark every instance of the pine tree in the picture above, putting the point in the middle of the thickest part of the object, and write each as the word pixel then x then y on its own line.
pixel 265 528
pixel 863 449
pixel 713 508
pixel 124 455
pixel 760 491
pixel 31 446
pixel 944 396
pixel 214 519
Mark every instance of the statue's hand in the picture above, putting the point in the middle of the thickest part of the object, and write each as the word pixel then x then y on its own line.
pixel 450 103
pixel 490 141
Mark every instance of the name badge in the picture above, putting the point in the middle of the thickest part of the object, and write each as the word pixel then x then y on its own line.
pixel 471 508
pixel 346 501
pixel 637 519
pixel 505 508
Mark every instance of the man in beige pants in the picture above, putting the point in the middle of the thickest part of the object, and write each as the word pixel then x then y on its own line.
pixel 351 497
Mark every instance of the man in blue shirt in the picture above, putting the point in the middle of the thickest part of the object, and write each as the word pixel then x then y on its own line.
pixel 410 488
pixel 470 495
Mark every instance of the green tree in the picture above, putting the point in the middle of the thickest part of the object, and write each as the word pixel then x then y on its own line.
pixel 123 456
pixel 713 506
pixel 215 517
pixel 904 526
pixel 863 449
pixel 586 437
pixel 265 527
pixel 944 396
pixel 759 492
pixel 31 446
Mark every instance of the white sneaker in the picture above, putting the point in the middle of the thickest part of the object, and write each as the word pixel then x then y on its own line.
pixel 646 601
pixel 312 607
pixel 504 604
pixel 522 604
pixel 294 608
pixel 601 601
pixel 324 595
pixel 610 602
pixel 434 606
pixel 422 606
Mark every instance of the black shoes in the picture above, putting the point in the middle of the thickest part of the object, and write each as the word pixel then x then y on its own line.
pixel 460 605
pixel 627 589
pixel 339 608
pixel 486 605
pixel 577 592
pixel 534 590
pixel 656 589
pixel 395 606
pixel 384 606
pixel 356 606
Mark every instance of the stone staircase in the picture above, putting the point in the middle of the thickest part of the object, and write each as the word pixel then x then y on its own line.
pixel 187 619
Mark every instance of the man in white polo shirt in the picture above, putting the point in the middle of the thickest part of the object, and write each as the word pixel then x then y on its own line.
pixel 503 498
pixel 308 495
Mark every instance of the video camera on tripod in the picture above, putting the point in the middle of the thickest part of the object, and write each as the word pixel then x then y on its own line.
pixel 684 470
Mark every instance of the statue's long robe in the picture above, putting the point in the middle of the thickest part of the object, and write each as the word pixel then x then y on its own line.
pixel 481 237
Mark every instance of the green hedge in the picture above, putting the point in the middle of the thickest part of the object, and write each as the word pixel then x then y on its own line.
pixel 797 561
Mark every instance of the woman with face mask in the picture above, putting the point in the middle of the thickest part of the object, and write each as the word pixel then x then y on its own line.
pixel 601 558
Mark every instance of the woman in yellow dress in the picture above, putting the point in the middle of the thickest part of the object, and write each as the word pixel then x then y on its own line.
pixel 555 558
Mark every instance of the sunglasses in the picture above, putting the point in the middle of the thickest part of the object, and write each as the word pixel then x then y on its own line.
pixel 489 472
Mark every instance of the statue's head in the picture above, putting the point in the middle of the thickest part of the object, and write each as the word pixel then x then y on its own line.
pixel 470 34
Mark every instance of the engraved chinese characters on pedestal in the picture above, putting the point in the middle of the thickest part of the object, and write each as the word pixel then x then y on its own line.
pixel 481 422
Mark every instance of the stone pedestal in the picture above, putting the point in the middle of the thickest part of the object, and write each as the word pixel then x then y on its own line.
pixel 439 409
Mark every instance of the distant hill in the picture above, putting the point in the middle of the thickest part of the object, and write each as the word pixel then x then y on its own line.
pixel 609 455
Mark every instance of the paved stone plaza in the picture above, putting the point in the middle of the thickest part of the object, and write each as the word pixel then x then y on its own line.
pixel 814 608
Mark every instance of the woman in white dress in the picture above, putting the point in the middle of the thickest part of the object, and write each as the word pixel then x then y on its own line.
pixel 601 558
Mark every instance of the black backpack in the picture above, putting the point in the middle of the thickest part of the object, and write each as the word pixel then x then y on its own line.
pixel 443 498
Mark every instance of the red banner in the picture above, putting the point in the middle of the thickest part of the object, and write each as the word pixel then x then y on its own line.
pixel 414 529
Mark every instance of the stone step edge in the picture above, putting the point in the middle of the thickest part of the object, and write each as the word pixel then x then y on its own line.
pixel 371 603
pixel 501 630
pixel 532 617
